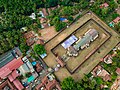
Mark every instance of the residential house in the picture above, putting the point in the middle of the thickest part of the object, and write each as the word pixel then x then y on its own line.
pixel 116 20
pixel 7 85
pixel 104 5
pixel 9 64
pixel 48 83
pixel 30 38
pixel 44 12
pixel 100 72
pixel 118 71
pixel 116 84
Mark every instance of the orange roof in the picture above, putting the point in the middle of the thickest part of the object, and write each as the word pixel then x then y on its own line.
pixel 116 20
pixel 30 41
pixel 104 5
pixel 118 71
pixel 18 85
pixel 29 34
pixel 44 12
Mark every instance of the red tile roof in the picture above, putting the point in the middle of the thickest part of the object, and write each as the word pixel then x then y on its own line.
pixel 118 71
pixel 116 20
pixel 8 68
pixel 8 84
pixel 48 85
pixel 13 75
pixel 104 5
pixel 44 12
pixel 18 85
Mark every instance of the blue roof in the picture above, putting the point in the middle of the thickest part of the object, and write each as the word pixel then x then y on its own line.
pixel 111 24
pixel 62 19
pixel 43 55
pixel 69 41
pixel 31 78
pixel 34 63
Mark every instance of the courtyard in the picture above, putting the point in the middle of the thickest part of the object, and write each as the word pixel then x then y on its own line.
pixel 104 42
pixel 73 62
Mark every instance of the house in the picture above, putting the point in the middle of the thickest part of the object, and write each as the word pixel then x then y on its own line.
pixel 9 64
pixel 44 12
pixel 116 84
pixel 118 71
pixel 89 36
pixel 100 72
pixel 107 59
pixel 48 83
pixel 29 36
pixel 39 68
pixel 60 61
pixel 116 20
pixel 7 85
pixel 104 5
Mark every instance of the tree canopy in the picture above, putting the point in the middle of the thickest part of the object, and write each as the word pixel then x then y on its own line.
pixel 39 49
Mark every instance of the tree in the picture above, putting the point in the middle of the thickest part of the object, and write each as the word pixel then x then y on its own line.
pixel 39 49
pixel 51 3
pixel 68 84
pixel 60 25
pixel 66 11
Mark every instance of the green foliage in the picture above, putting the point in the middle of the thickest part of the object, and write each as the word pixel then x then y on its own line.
pixel 39 49
pixel 99 80
pixel 66 11
pixel 51 3
pixel 10 39
pixel 84 84
pixel 118 1
pixel 70 18
pixel 60 25
pixel 68 84
pixel 28 74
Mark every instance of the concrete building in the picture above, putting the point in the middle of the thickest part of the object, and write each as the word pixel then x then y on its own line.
pixel 88 37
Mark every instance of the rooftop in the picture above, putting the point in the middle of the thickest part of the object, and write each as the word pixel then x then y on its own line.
pixel 116 20
pixel 9 56
pixel 104 5
pixel 8 68
pixel 118 71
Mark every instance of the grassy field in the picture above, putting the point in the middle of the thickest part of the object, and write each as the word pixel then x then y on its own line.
pixel 93 60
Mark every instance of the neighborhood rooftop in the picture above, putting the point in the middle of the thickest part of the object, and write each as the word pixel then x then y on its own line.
pixel 8 56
